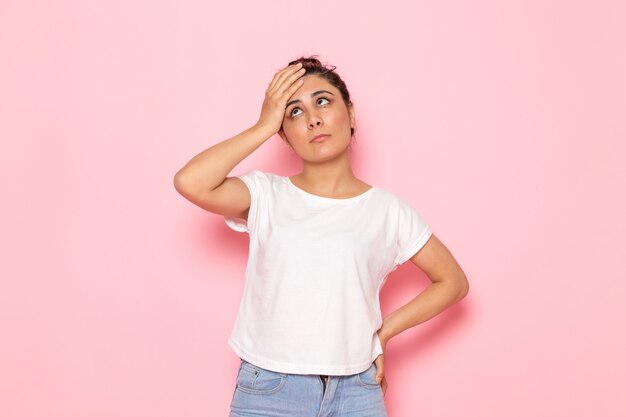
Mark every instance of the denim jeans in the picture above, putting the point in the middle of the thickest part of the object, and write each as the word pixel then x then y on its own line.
pixel 263 393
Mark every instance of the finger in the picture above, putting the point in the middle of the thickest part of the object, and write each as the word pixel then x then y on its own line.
pixel 285 96
pixel 282 97
pixel 290 90
pixel 380 372
pixel 285 81
pixel 282 75
pixel 289 82
pixel 277 74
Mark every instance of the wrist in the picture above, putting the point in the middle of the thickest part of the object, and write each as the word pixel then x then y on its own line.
pixel 383 337
pixel 263 130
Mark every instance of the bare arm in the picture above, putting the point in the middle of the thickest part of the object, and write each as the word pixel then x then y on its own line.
pixel 208 170
pixel 449 285
pixel 203 180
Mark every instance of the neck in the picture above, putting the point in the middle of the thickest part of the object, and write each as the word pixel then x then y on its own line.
pixel 333 177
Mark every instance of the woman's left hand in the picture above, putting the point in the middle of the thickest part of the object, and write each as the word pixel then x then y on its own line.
pixel 379 362
pixel 380 372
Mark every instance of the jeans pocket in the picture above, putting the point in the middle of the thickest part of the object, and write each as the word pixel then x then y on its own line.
pixel 253 379
pixel 367 378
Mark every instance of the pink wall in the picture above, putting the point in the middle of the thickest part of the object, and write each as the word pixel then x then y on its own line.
pixel 502 122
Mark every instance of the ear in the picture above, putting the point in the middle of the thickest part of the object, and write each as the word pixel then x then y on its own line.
pixel 352 114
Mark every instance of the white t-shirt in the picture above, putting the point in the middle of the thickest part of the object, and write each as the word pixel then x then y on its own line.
pixel 310 302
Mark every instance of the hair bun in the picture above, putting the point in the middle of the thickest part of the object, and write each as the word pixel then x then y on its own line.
pixel 312 62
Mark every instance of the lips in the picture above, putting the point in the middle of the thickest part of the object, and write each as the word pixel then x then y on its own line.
pixel 319 138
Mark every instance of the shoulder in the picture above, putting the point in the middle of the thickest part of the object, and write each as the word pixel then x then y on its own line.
pixel 261 177
pixel 262 183
pixel 390 199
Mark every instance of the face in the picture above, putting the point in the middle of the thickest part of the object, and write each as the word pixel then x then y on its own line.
pixel 317 108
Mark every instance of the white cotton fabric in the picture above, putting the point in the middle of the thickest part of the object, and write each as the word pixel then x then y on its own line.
pixel 310 302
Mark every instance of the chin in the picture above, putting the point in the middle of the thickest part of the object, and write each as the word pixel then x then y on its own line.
pixel 322 156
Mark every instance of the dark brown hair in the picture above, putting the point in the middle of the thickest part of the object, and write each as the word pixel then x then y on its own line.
pixel 313 66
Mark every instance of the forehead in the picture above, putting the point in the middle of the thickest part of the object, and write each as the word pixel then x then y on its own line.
pixel 311 84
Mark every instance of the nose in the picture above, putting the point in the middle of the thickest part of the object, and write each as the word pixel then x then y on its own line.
pixel 314 121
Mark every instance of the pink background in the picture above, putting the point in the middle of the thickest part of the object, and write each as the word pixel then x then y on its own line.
pixel 502 122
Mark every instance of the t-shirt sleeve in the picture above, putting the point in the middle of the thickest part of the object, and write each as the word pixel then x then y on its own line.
pixel 413 232
pixel 256 182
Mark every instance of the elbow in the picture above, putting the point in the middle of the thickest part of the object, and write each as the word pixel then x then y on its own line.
pixel 463 288
pixel 181 181
pixel 178 182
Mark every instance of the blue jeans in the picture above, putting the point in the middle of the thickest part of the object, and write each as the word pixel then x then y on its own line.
pixel 260 392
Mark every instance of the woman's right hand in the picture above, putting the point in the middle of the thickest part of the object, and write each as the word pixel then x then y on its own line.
pixel 282 86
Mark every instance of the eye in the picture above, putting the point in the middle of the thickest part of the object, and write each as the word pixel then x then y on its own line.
pixel 323 98
pixel 292 110
pixel 324 102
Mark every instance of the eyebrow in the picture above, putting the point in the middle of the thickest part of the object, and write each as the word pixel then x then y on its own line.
pixel 312 95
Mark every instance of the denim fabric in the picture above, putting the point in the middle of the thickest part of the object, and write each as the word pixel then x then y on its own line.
pixel 260 392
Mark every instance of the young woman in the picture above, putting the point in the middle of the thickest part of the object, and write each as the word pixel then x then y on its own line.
pixel 309 331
